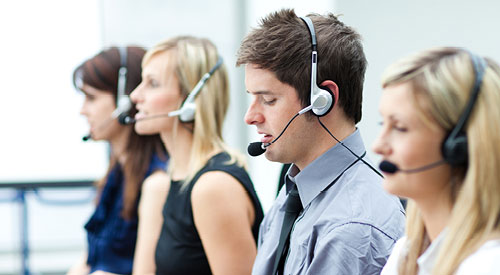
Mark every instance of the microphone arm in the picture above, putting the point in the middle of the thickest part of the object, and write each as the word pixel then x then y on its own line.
pixel 130 120
pixel 391 168
pixel 258 148
pixel 306 109
pixel 87 137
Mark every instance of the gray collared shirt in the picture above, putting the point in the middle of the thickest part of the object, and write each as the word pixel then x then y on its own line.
pixel 349 227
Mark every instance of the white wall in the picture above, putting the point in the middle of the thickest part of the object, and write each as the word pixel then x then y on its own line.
pixel 39 108
pixel 392 29
pixel 41 126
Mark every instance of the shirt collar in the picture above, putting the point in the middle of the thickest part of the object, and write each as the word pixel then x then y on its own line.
pixel 316 176
pixel 426 260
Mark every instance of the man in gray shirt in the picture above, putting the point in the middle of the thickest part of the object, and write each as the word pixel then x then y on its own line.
pixel 332 217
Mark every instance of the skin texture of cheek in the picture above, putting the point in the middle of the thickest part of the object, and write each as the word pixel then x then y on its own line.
pixel 294 144
pixel 155 109
pixel 103 125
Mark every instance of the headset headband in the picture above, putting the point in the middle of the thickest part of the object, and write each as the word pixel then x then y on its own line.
pixel 455 146
pixel 123 103
pixel 321 98
pixel 479 66
pixel 188 108
pixel 203 80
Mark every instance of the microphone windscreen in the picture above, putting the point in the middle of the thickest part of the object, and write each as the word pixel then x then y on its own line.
pixel 255 149
pixel 87 137
pixel 388 167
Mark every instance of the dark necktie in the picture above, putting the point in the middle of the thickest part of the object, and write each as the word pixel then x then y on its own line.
pixel 292 210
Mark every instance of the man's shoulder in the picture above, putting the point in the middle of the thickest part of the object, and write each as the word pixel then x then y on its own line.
pixel 359 198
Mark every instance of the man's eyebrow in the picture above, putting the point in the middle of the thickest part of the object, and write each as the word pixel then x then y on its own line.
pixel 260 92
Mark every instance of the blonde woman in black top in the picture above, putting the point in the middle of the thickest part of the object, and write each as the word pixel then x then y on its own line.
pixel 212 213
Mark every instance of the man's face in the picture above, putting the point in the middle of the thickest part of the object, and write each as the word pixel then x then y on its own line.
pixel 274 103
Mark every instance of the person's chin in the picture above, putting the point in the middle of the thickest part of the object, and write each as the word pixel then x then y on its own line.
pixel 391 187
pixel 268 155
pixel 271 155
pixel 141 129
pixel 95 136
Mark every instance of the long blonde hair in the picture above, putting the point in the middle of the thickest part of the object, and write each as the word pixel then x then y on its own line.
pixel 443 78
pixel 194 58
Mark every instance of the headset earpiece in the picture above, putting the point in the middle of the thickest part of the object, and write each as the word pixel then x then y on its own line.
pixel 331 95
pixel 188 108
pixel 186 112
pixel 455 147
pixel 322 101
pixel 454 150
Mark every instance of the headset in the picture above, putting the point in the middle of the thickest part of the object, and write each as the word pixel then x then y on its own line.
pixel 123 103
pixel 454 146
pixel 188 108
pixel 322 99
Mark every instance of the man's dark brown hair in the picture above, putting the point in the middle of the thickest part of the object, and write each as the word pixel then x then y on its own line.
pixel 282 44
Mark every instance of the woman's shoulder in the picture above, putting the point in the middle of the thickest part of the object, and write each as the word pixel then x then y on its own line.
pixel 154 192
pixel 225 162
pixel 158 181
pixel 221 175
pixel 486 260
pixel 215 181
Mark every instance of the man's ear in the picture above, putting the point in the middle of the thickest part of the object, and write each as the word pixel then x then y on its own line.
pixel 332 86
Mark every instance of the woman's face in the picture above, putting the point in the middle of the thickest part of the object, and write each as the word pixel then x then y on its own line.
pixel 97 108
pixel 157 95
pixel 407 141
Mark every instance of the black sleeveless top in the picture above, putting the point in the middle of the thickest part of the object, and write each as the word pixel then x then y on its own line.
pixel 179 249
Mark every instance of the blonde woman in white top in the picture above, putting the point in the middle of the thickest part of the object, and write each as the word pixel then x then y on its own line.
pixel 440 144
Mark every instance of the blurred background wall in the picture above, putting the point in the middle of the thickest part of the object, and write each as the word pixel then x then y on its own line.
pixel 43 41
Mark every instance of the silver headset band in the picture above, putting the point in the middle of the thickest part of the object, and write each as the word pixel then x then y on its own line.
pixel 203 80
pixel 314 55
pixel 122 73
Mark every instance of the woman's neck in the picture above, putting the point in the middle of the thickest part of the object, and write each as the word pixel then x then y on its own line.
pixel 178 144
pixel 119 145
pixel 436 212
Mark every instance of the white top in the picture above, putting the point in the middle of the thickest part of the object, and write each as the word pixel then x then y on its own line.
pixel 485 261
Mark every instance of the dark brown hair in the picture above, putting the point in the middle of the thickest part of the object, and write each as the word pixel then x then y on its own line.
pixel 282 44
pixel 101 72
